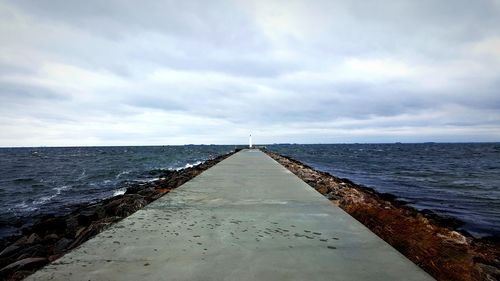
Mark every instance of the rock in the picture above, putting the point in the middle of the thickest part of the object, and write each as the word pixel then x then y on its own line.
pixel 88 215
pixel 332 196
pixel 27 263
pixel 71 225
pixel 54 257
pixel 99 213
pixel 20 274
pixel 33 238
pixel 50 225
pixel 125 205
pixel 79 231
pixel 83 223
pixel 62 245
pixel 155 196
pixel 110 207
pixel 87 233
pixel 147 191
pixel 51 237
pixel 133 189
pixel 36 250
pixel 489 270
pixel 454 237
pixel 85 219
pixel 130 206
pixel 23 256
pixel 458 238
pixel 9 250
pixel 21 241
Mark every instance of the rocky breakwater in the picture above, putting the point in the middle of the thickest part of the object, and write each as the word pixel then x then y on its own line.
pixel 430 241
pixel 53 236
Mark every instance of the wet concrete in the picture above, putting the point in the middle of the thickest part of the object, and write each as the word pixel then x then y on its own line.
pixel 247 218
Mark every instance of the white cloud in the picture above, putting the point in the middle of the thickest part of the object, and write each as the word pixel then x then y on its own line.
pixel 209 72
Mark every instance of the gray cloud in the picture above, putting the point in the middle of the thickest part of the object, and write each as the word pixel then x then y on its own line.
pixel 119 72
pixel 23 92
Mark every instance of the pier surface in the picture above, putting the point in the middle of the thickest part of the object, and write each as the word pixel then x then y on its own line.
pixel 247 218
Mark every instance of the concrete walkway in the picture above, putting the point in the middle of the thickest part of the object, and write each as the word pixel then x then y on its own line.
pixel 247 218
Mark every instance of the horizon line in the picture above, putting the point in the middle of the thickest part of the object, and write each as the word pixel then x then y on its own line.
pixel 255 145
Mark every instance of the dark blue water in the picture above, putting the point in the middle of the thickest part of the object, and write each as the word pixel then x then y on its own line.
pixel 457 180
pixel 40 181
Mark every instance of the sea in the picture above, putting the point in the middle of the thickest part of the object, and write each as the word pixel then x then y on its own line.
pixel 459 180
pixel 39 181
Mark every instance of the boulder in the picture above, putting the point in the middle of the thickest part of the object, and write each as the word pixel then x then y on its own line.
pixel 50 238
pixel 62 245
pixel 490 271
pixel 125 205
pixel 90 231
pixel 36 250
pixel 21 241
pixel 146 191
pixel 129 206
pixel 134 189
pixel 33 238
pixel 9 250
pixel 50 225
pixel 23 264
pixel 54 257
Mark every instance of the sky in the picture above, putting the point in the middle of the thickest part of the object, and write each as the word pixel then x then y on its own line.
pixel 211 72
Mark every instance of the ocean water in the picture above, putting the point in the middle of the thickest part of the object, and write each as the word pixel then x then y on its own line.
pixel 40 181
pixel 459 180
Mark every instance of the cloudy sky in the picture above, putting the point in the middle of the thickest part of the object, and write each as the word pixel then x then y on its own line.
pixel 176 72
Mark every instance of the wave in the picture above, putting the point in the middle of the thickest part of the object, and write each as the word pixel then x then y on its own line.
pixel 71 176
pixel 120 191
pixel 82 175
pixel 23 207
pixel 44 199
pixel 122 173
pixel 24 180
pixel 189 165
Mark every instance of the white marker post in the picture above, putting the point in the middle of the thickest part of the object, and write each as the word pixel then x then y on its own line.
pixel 250 141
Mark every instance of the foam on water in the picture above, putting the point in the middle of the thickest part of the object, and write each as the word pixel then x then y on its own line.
pixel 120 191
pixel 189 165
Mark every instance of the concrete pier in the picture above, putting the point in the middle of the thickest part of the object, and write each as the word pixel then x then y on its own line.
pixel 247 218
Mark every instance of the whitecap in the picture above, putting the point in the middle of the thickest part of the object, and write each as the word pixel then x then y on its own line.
pixel 23 207
pixel 42 200
pixel 122 173
pixel 189 165
pixel 120 191
pixel 82 175
pixel 60 189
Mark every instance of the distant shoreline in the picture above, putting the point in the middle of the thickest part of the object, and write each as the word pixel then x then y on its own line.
pixel 257 145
